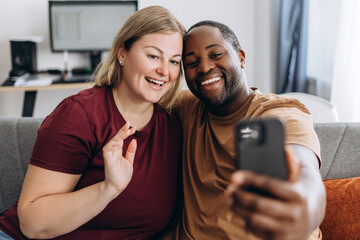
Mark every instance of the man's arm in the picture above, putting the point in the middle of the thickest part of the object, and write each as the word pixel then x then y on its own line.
pixel 295 209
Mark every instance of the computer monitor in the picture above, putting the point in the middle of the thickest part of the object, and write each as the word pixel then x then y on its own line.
pixel 87 26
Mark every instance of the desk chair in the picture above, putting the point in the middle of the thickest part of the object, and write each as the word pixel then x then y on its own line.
pixel 321 109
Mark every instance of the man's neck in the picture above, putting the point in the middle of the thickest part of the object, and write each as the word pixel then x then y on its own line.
pixel 232 105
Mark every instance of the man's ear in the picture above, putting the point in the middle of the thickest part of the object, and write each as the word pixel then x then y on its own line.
pixel 242 58
pixel 121 53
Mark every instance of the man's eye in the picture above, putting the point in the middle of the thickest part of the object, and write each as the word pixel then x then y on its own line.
pixel 216 55
pixel 190 64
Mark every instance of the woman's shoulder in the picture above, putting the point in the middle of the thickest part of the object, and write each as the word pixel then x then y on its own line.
pixel 79 107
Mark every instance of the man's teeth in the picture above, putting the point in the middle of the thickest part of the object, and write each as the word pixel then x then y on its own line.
pixel 211 80
pixel 157 82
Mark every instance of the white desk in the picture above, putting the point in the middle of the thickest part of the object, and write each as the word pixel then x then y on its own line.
pixel 30 93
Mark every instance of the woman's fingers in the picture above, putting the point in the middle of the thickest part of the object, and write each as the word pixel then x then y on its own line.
pixel 130 153
pixel 115 146
pixel 124 132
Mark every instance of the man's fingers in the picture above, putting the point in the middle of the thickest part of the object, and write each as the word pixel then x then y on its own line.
pixel 264 227
pixel 276 187
pixel 130 152
pixel 259 223
pixel 253 203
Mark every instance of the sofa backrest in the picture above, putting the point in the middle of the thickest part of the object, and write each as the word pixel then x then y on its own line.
pixel 17 137
pixel 340 152
pixel 340 149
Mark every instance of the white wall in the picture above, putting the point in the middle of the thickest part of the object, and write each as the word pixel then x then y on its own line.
pixel 254 22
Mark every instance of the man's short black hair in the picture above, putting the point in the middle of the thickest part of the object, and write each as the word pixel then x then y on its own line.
pixel 227 33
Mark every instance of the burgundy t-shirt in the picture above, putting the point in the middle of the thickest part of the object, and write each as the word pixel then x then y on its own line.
pixel 71 139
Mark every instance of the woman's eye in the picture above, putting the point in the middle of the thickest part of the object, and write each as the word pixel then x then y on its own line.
pixel 153 57
pixel 174 62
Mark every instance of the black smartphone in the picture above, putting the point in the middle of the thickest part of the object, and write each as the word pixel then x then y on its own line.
pixel 260 147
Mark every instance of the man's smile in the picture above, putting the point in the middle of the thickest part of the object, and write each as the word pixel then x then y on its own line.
pixel 211 80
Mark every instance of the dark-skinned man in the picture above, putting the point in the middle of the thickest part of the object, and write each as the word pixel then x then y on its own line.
pixel 216 204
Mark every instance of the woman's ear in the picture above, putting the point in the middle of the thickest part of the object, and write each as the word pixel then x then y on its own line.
pixel 242 58
pixel 121 54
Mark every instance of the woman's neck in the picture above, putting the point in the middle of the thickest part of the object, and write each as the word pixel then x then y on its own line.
pixel 138 113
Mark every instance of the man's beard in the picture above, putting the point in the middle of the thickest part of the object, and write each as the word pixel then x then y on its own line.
pixel 230 91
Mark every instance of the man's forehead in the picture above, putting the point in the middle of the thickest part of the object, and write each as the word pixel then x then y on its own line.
pixel 205 31
pixel 203 37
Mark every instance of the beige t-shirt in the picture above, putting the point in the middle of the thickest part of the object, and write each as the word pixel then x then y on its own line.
pixel 209 159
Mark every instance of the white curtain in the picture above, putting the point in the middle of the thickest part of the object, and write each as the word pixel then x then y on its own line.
pixel 345 93
pixel 323 28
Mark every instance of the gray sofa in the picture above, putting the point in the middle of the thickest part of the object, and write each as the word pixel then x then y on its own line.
pixel 340 150
pixel 17 137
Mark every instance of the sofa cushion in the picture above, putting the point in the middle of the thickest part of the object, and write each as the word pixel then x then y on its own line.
pixel 17 139
pixel 342 217
pixel 340 147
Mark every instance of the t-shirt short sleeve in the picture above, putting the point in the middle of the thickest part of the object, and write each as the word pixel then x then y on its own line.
pixel 64 141
pixel 298 127
pixel 297 118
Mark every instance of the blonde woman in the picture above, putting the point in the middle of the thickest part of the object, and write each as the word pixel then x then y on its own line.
pixel 105 162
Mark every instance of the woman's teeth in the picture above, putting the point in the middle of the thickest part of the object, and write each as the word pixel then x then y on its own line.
pixel 155 81
pixel 210 80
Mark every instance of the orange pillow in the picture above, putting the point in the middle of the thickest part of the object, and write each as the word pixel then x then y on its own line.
pixel 342 216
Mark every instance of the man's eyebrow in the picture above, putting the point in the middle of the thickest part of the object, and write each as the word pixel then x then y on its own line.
pixel 158 49
pixel 213 45
pixel 189 54
pixel 207 47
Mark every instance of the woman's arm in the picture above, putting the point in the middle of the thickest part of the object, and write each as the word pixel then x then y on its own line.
pixel 48 207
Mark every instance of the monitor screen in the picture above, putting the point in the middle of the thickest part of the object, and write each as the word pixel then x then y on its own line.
pixel 78 26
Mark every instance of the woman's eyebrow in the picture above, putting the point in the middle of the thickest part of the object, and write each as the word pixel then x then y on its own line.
pixel 151 46
pixel 158 49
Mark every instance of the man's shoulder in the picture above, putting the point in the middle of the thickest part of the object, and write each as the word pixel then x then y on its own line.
pixel 266 102
pixel 185 97
pixel 186 103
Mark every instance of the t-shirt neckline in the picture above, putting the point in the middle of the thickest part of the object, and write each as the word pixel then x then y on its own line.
pixel 147 127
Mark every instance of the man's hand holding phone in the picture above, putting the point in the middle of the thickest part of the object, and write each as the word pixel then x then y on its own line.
pixel 264 191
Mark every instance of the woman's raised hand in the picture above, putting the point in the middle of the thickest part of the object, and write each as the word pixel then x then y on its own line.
pixel 119 168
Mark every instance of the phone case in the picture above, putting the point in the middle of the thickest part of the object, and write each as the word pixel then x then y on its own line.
pixel 260 147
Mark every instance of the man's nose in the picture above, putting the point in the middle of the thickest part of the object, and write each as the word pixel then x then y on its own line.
pixel 205 65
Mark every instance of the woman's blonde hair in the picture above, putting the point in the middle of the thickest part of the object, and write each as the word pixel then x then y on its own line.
pixel 154 19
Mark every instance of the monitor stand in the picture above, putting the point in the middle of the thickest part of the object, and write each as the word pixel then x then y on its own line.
pixel 95 59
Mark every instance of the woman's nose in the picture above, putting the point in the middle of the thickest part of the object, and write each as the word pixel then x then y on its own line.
pixel 163 68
